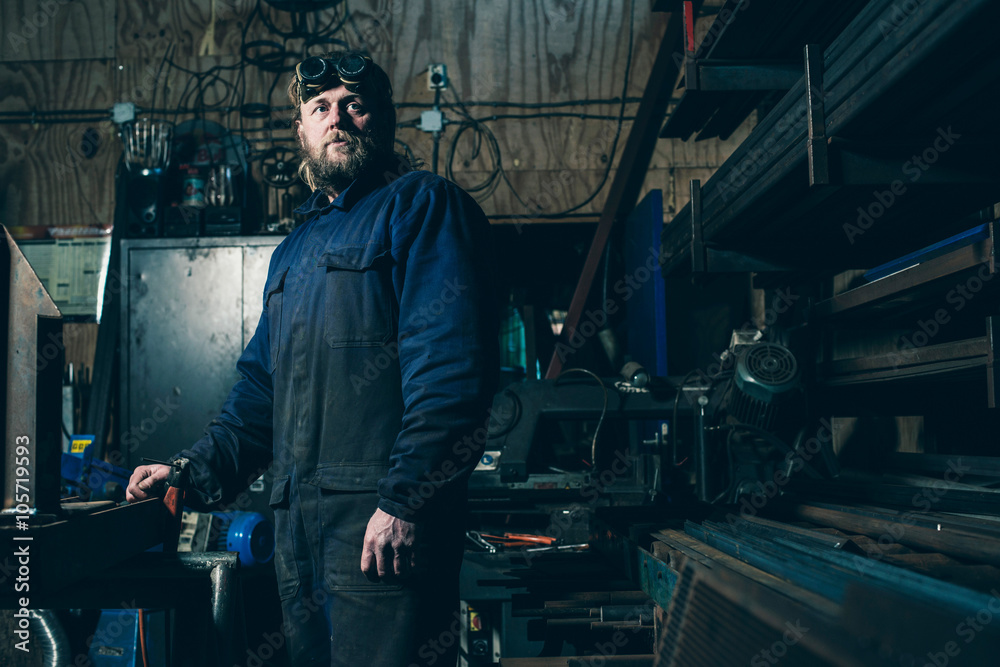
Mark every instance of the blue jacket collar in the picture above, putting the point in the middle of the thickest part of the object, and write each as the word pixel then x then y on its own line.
pixel 318 201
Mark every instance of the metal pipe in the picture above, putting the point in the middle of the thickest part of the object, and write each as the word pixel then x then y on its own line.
pixel 224 580
pixel 49 632
pixel 701 452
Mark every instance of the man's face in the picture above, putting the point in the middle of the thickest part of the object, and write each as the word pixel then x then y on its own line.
pixel 336 138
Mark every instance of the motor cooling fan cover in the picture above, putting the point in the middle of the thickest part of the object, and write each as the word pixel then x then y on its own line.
pixel 766 370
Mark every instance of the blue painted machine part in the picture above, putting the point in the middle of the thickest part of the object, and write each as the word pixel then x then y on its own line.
pixel 968 237
pixel 247 533
pixel 92 478
pixel 116 639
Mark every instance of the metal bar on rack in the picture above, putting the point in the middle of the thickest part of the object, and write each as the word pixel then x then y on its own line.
pixel 697 231
pixel 726 76
pixel 818 155
pixel 992 336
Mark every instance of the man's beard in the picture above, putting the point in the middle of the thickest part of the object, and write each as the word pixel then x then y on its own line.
pixel 334 175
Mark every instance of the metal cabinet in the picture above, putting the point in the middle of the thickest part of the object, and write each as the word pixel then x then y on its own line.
pixel 189 308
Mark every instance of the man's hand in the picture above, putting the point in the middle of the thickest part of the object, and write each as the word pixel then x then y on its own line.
pixel 146 481
pixel 390 548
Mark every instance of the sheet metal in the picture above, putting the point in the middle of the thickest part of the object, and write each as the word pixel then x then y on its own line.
pixel 32 387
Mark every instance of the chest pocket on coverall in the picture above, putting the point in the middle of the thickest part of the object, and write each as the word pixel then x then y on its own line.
pixel 360 304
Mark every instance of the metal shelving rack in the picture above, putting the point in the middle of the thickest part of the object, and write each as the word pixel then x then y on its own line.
pixel 751 51
pixel 843 135
pixel 884 145
pixel 892 84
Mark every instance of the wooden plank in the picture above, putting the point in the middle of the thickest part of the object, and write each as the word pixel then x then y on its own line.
pixel 983 578
pixel 57 30
pixel 52 86
pixel 80 341
pixel 548 54
pixel 543 53
pixel 688 544
pixel 945 539
pixel 213 27
pixel 48 174
pixel 48 182
pixel 144 82
pixel 587 45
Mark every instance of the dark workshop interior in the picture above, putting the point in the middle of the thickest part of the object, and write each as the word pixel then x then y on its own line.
pixel 747 408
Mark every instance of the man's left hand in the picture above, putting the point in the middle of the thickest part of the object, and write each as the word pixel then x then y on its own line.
pixel 389 552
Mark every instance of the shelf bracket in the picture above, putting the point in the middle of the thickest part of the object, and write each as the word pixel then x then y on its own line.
pixel 727 75
pixel 819 163
pixel 993 247
pixel 690 63
pixel 706 259
pixel 903 161
pixel 698 263
pixel 992 334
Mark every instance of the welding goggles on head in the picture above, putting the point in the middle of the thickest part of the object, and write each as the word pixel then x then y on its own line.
pixel 354 71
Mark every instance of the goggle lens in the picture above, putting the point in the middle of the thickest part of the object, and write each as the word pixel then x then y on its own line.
pixel 315 73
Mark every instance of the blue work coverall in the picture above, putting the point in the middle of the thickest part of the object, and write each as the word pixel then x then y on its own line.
pixel 367 384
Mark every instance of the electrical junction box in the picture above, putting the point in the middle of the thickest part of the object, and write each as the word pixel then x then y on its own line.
pixel 431 121
pixel 123 112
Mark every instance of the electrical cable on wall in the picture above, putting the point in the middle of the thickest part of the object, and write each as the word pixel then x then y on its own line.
pixel 525 105
pixel 196 99
pixel 489 184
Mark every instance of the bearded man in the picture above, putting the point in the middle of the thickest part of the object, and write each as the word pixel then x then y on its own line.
pixel 367 383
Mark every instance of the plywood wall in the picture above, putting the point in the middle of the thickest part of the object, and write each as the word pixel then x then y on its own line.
pixel 85 55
